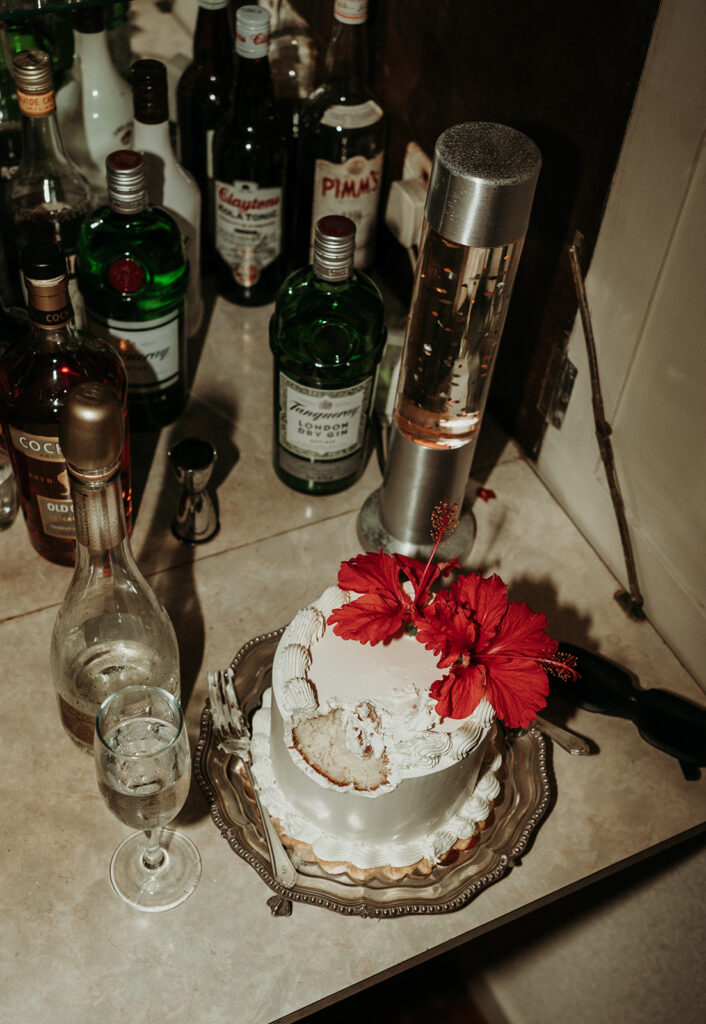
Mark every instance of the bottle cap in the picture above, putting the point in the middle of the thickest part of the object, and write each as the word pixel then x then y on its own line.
pixel 149 91
pixel 32 71
pixel 350 12
pixel 252 31
pixel 92 431
pixel 127 191
pixel 482 184
pixel 43 260
pixel 334 248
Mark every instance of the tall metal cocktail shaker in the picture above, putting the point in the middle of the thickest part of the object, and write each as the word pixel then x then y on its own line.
pixel 477 210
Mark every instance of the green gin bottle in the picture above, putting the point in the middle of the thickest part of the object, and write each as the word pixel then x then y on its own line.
pixel 327 334
pixel 133 275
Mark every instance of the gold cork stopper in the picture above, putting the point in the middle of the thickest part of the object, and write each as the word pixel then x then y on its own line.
pixel 92 431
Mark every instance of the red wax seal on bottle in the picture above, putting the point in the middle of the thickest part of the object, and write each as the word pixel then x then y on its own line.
pixel 126 276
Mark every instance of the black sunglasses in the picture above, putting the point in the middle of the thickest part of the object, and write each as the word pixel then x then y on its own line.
pixel 670 723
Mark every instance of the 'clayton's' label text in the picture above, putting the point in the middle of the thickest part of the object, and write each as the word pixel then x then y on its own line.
pixel 248 228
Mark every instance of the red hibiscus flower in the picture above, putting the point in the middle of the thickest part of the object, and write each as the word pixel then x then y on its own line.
pixel 492 648
pixel 386 606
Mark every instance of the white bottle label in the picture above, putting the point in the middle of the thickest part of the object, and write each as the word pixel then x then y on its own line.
pixel 323 425
pixel 248 227
pixel 150 348
pixel 350 190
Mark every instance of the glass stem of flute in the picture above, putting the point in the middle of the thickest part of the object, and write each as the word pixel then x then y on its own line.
pixel 153 854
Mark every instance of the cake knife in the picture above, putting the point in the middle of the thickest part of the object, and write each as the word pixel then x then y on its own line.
pixel 232 736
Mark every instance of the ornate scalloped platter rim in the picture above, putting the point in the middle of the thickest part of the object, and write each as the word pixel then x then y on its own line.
pixel 525 800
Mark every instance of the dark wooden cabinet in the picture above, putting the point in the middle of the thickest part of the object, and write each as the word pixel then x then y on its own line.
pixel 566 75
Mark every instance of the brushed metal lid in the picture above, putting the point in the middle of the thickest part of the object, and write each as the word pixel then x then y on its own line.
pixel 482 184
pixel 334 248
pixel 32 71
pixel 92 431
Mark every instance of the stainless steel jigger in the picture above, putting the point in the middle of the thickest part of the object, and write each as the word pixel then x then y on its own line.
pixel 196 520
pixel 477 210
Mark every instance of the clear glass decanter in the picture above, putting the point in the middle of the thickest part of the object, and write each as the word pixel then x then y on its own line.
pixel 111 630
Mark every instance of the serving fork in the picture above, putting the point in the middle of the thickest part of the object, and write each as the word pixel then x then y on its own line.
pixel 232 736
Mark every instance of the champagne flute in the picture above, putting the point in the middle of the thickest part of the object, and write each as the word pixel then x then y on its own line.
pixel 143 766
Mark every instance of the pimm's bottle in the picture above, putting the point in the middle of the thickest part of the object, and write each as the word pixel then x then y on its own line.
pixel 343 136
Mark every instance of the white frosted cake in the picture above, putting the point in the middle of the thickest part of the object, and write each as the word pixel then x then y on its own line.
pixel 351 756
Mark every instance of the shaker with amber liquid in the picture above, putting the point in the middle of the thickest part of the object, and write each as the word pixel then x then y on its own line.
pixel 477 209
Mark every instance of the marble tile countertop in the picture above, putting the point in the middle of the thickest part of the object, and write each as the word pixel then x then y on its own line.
pixel 69 949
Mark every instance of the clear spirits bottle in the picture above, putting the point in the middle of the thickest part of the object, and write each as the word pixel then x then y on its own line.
pixel 203 95
pixel 133 276
pixel 37 374
pixel 111 630
pixel 48 195
pixel 327 334
pixel 249 163
pixel 168 184
pixel 94 106
pixel 10 154
pixel 343 136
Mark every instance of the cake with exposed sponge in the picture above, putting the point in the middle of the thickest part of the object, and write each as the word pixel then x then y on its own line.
pixel 351 758
pixel 368 757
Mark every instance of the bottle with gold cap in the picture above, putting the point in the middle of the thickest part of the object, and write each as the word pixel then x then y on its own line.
pixel 111 630
pixel 48 196
pixel 37 372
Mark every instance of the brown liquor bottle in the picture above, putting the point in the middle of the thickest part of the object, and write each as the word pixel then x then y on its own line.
pixel 36 377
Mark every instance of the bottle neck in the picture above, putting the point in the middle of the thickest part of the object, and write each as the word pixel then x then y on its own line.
pixel 346 64
pixel 100 520
pixel 50 311
pixel 153 138
pixel 254 94
pixel 92 47
pixel 41 137
pixel 213 37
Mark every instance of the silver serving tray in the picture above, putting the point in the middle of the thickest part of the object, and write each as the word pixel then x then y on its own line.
pixel 527 793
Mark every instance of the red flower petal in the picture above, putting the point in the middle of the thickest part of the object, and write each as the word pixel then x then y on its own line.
pixel 459 693
pixel 446 629
pixel 521 634
pixel 375 572
pixel 368 619
pixel 517 688
pixel 485 600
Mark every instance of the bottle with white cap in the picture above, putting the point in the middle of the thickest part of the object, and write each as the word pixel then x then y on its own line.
pixel 343 136
pixel 249 165
pixel 327 334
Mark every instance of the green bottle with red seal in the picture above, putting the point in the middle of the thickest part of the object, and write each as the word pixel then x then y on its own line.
pixel 133 274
